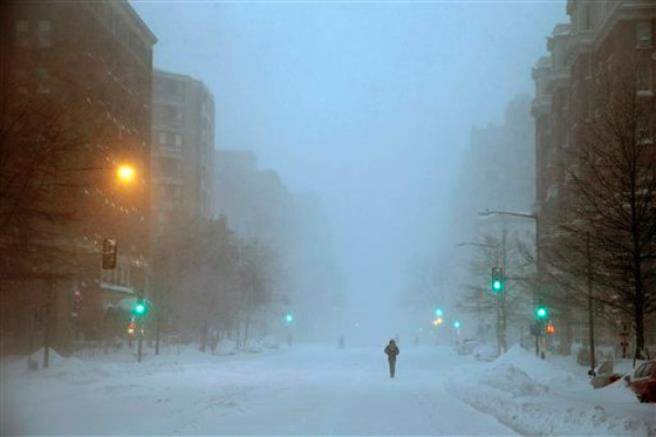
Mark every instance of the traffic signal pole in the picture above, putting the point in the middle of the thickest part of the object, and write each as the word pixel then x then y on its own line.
pixel 590 312
pixel 139 341
pixel 534 216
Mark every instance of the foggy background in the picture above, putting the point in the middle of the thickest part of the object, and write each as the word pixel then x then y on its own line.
pixel 367 105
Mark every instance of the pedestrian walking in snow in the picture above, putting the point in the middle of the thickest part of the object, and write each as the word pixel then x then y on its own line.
pixel 392 350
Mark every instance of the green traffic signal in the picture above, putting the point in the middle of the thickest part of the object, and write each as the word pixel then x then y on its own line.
pixel 439 312
pixel 498 280
pixel 541 312
pixel 289 318
pixel 140 309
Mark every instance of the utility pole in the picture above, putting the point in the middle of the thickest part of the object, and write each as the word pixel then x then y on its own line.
pixel 139 320
pixel 140 340
pixel 590 306
pixel 157 321
pixel 48 319
pixel 502 314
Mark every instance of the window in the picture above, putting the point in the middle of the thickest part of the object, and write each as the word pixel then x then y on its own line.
pixel 43 81
pixel 644 77
pixel 44 33
pixel 644 34
pixel 644 130
pixel 169 115
pixel 586 17
pixel 169 168
pixel 22 33
pixel 170 139
pixel 643 371
pixel 175 89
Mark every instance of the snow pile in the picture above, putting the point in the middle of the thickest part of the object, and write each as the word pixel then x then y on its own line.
pixel 485 352
pixel 535 396
pixel 270 342
pixel 226 347
pixel 54 358
pixel 252 346
pixel 542 371
pixel 509 378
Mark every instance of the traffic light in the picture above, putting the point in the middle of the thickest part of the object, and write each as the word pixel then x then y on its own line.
pixel 542 312
pixel 77 303
pixel 132 328
pixel 109 254
pixel 550 329
pixel 439 312
pixel 457 324
pixel 140 308
pixel 289 318
pixel 498 280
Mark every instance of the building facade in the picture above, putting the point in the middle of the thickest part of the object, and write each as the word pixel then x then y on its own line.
pixel 256 203
pixel 85 68
pixel 183 150
pixel 600 39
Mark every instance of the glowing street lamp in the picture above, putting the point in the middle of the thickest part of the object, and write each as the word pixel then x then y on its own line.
pixel 125 173
pixel 438 321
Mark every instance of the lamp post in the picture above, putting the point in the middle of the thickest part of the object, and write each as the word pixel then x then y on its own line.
pixel 525 215
pixel 531 216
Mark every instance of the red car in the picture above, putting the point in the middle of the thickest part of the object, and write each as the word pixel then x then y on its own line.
pixel 643 381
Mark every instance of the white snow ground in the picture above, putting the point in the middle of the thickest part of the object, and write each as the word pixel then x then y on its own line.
pixel 310 390
pixel 552 397
pixel 305 390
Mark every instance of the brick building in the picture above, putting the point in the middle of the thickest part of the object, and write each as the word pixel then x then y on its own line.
pixel 89 65
pixel 183 149
pixel 601 36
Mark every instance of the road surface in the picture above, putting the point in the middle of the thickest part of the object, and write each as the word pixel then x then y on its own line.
pixel 304 390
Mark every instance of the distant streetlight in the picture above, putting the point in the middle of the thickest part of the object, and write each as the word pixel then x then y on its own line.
pixel 125 173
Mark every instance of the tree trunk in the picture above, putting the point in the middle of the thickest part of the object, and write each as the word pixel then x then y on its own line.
pixel 247 325
pixel 203 337
pixel 48 324
pixel 639 321
pixel 639 310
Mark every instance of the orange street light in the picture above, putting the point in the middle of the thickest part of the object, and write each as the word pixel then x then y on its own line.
pixel 126 173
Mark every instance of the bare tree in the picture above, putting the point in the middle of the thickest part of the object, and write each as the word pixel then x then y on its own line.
pixel 508 307
pixel 611 187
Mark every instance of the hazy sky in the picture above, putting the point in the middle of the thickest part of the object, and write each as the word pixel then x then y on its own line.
pixel 367 104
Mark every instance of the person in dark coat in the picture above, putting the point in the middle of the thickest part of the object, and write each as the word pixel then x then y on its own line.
pixel 392 350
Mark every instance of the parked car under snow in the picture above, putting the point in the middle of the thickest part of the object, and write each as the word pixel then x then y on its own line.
pixel 643 381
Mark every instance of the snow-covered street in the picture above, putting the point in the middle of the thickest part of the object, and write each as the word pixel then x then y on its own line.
pixel 307 390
